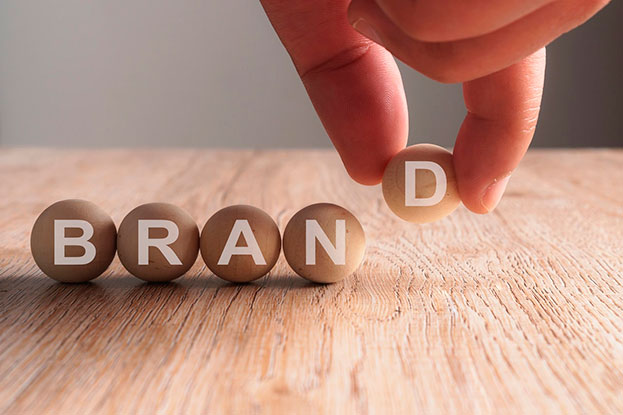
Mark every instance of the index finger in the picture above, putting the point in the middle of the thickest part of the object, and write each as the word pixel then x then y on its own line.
pixel 354 84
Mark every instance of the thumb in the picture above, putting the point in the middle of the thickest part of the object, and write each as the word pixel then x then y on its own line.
pixel 354 84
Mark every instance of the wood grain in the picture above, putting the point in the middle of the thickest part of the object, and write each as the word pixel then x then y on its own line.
pixel 517 312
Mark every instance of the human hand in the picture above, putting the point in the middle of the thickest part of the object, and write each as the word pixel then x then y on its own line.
pixel 496 48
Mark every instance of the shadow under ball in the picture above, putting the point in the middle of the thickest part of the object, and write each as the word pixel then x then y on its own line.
pixel 425 183
pixel 240 243
pixel 104 240
pixel 323 268
pixel 161 261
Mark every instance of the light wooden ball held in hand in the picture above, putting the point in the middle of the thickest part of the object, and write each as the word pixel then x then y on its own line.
pixel 324 243
pixel 419 184
pixel 73 241
pixel 240 243
pixel 158 242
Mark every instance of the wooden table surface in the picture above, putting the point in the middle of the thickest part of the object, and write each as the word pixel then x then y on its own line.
pixel 520 311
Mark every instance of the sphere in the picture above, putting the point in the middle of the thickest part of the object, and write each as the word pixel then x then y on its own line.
pixel 419 184
pixel 324 243
pixel 73 241
pixel 240 243
pixel 158 242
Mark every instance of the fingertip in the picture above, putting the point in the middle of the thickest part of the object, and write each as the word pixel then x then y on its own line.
pixel 482 199
pixel 492 195
pixel 363 108
pixel 365 178
pixel 368 172
pixel 485 154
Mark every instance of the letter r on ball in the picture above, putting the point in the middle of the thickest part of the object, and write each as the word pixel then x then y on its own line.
pixel 144 241
pixel 411 167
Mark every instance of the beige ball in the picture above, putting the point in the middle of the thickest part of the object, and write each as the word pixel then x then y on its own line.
pixel 73 241
pixel 419 184
pixel 158 242
pixel 324 243
pixel 240 243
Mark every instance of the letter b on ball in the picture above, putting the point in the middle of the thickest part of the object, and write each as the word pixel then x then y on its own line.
pixel 73 241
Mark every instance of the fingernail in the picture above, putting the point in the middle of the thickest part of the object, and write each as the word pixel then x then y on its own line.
pixel 493 193
pixel 367 30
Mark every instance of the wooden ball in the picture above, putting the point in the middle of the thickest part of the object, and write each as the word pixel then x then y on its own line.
pixel 324 243
pixel 158 242
pixel 73 241
pixel 240 243
pixel 419 184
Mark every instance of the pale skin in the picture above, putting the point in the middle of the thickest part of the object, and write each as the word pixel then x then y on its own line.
pixel 343 49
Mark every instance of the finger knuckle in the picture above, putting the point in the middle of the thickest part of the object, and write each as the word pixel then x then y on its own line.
pixel 342 59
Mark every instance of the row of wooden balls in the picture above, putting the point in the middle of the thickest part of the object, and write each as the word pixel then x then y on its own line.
pixel 75 241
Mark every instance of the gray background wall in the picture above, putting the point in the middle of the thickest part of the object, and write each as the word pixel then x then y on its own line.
pixel 205 73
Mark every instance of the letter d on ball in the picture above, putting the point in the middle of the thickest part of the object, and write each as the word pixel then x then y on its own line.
pixel 426 198
pixel 441 184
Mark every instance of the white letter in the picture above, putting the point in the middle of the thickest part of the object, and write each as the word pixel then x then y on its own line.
pixel 241 226
pixel 144 242
pixel 410 186
pixel 61 241
pixel 313 231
